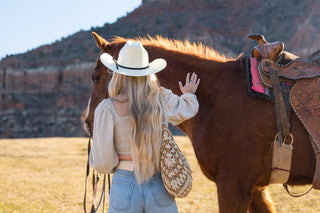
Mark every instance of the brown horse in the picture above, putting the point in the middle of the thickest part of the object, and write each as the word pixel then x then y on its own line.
pixel 233 133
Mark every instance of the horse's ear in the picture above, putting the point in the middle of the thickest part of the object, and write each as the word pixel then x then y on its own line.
pixel 101 42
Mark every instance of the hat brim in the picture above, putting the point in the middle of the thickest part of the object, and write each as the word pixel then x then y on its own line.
pixel 155 66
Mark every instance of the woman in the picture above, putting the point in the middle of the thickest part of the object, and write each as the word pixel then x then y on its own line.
pixel 127 130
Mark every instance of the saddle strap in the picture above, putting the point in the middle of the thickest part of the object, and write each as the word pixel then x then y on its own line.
pixel 285 90
pixel 282 119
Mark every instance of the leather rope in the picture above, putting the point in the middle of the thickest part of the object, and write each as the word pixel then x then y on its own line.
pixel 293 195
pixel 87 175
pixel 95 182
pixel 102 197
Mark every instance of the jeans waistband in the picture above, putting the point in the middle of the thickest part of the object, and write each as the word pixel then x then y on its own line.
pixel 131 174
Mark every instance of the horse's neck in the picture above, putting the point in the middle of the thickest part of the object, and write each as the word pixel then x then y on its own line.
pixel 218 79
pixel 215 76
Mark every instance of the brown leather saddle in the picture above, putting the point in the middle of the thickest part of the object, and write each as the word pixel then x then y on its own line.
pixel 276 67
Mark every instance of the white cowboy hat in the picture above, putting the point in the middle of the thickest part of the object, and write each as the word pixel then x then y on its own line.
pixel 133 60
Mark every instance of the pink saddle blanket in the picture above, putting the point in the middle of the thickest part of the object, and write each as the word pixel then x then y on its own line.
pixel 256 83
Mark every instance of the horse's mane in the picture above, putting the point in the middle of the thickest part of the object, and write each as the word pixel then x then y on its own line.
pixel 197 49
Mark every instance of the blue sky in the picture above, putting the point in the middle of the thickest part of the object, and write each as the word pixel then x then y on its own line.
pixel 27 24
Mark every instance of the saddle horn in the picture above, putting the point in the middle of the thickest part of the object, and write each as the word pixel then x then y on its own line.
pixel 265 49
pixel 259 38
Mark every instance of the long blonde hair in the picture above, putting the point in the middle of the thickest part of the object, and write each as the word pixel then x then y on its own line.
pixel 146 116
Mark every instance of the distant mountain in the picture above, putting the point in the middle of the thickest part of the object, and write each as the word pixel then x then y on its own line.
pixel 50 73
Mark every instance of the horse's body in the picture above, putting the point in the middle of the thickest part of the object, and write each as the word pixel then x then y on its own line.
pixel 233 133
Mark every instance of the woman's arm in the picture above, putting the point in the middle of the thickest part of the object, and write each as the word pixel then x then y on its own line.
pixel 179 109
pixel 103 155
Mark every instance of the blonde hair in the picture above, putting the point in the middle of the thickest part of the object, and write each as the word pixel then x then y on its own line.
pixel 146 116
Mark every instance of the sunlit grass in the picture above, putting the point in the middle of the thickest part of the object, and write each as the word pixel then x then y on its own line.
pixel 48 175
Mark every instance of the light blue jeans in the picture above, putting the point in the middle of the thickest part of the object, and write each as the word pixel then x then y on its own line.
pixel 126 195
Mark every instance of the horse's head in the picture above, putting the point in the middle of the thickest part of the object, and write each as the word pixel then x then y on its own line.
pixel 100 78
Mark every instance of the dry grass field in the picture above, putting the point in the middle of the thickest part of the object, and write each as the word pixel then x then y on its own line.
pixel 48 175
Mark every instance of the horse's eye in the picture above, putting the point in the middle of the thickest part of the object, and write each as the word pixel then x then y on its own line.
pixel 95 78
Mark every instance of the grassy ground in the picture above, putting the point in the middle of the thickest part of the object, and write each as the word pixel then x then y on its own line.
pixel 48 175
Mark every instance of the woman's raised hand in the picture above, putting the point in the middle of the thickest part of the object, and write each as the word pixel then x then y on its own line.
pixel 191 85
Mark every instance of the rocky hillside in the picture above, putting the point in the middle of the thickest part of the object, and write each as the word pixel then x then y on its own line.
pixel 44 92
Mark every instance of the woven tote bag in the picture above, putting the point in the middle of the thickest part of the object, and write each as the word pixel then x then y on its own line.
pixel 175 169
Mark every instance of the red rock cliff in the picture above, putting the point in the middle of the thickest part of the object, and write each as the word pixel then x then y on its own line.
pixel 45 91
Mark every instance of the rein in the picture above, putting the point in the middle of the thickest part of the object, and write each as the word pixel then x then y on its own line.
pixel 95 181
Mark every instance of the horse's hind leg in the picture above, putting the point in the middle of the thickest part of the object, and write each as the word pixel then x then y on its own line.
pixel 261 201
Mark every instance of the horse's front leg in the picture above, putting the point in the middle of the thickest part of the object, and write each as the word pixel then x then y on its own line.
pixel 261 201
pixel 233 194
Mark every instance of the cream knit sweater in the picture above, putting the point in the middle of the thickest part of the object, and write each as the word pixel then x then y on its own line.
pixel 111 132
